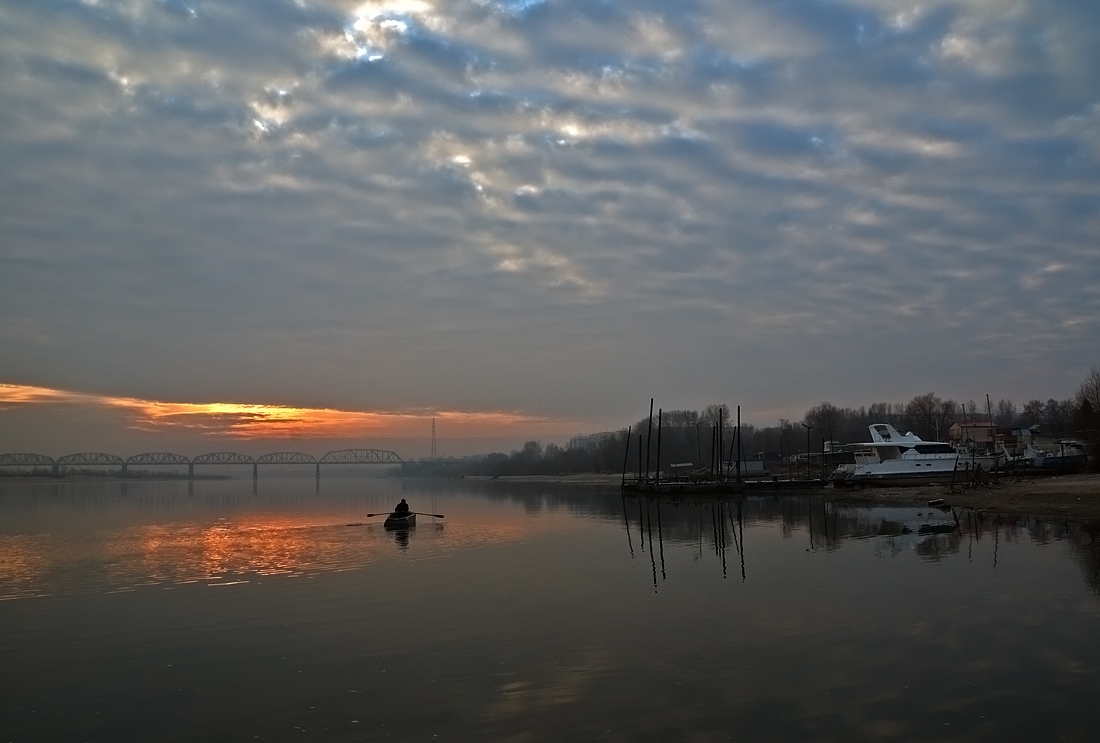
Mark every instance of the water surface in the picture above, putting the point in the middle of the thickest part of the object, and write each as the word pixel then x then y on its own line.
pixel 163 610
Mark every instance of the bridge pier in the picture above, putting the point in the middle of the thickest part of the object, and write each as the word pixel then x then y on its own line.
pixel 255 471
pixel 190 470
pixel 318 472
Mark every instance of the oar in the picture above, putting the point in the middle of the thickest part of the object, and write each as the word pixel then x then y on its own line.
pixel 418 513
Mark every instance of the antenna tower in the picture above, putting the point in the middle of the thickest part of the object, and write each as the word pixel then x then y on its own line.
pixel 435 453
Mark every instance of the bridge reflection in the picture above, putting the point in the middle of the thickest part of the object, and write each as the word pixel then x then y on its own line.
pixel 221 458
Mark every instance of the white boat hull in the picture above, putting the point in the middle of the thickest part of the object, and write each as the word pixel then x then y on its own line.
pixel 895 459
pixel 895 473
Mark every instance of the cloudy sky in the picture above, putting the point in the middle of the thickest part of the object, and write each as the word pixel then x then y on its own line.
pixel 527 217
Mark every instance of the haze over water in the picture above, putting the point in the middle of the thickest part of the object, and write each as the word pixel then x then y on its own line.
pixel 146 610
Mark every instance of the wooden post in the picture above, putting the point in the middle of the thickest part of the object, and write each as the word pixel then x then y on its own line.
pixel 721 440
pixel 657 472
pixel 714 438
pixel 737 440
pixel 648 438
pixel 626 457
pixel 698 447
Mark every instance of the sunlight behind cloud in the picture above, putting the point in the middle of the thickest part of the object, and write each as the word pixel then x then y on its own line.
pixel 258 421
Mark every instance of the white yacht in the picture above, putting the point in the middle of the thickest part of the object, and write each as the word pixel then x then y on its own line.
pixel 892 458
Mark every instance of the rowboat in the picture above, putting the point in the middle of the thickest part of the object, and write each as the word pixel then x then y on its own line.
pixel 396 521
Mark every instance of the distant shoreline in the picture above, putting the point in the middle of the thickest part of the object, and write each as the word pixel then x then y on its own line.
pixel 1066 496
pixel 1071 496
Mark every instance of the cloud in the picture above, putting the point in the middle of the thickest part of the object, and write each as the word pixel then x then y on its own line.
pixel 490 205
pixel 259 421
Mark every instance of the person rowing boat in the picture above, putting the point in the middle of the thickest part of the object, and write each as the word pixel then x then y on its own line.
pixel 402 516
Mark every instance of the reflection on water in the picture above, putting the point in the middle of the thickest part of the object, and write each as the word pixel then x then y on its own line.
pixel 88 537
pixel 150 611
pixel 291 531
pixel 929 533
pixel 710 521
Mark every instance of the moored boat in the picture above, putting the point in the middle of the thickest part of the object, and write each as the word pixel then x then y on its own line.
pixel 1070 456
pixel 400 521
pixel 892 458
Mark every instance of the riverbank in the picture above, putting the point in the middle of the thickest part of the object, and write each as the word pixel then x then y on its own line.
pixel 1073 496
pixel 582 478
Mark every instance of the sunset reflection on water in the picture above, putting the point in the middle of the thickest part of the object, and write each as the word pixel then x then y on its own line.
pixel 24 560
pixel 236 549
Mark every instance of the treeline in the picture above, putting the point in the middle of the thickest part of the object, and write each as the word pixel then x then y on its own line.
pixel 600 453
pixel 930 416
pixel 690 436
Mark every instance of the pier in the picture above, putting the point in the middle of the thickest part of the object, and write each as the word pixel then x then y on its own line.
pixel 728 472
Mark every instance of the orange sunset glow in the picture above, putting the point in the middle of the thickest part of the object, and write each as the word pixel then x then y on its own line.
pixel 293 545
pixel 261 421
pixel 245 547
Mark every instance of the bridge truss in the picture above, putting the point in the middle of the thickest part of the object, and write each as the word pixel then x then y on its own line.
pixel 97 459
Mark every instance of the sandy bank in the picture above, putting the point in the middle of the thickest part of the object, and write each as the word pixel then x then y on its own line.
pixel 1076 496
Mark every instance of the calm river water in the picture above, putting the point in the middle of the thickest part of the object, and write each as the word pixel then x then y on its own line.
pixel 163 611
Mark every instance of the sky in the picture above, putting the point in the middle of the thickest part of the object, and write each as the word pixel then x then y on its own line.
pixel 296 223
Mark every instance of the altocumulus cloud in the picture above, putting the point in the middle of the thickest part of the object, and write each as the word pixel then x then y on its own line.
pixel 507 204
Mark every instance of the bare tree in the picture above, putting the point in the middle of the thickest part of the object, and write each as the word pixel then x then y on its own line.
pixel 1033 413
pixel 710 414
pixel 825 418
pixel 679 418
pixel 1006 413
pixel 1090 389
pixel 930 413
pixel 1088 414
pixel 1058 416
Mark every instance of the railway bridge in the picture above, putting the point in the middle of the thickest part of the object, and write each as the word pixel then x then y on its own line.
pixel 27 460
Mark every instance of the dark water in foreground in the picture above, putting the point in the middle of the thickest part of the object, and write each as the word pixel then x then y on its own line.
pixel 143 611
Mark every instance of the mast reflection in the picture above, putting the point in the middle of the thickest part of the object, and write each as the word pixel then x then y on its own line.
pixel 687 525
pixel 932 533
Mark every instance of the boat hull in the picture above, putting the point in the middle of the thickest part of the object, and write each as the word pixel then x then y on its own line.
pixel 893 479
pixel 898 472
pixel 393 521
pixel 904 473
